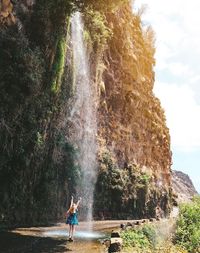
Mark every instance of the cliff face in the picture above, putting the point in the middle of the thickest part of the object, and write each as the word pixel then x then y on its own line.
pixel 182 186
pixel 6 13
pixel 131 119
pixel 132 127
pixel 36 91
pixel 34 156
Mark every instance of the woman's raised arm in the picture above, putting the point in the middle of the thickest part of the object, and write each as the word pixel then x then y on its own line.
pixel 78 201
pixel 72 201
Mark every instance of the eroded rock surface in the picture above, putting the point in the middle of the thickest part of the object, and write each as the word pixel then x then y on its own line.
pixel 183 186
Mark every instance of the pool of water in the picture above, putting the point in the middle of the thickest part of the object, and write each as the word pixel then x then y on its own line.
pixel 84 241
pixel 78 234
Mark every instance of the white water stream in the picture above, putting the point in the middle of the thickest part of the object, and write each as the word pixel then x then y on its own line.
pixel 83 117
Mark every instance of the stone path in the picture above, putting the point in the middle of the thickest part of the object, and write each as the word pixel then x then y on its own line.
pixel 53 239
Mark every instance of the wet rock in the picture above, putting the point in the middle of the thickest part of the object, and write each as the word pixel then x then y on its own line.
pixel 138 222
pixel 122 226
pixel 129 224
pixel 115 242
pixel 6 13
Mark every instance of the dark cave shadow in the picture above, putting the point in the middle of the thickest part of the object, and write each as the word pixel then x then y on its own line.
pixel 15 243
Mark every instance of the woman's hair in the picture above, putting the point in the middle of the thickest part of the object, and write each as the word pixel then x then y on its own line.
pixel 73 208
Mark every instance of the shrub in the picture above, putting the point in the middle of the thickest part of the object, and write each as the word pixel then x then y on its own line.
pixel 188 226
pixel 150 233
pixel 135 239
pixel 98 27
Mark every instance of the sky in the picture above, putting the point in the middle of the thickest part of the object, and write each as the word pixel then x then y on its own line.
pixel 177 76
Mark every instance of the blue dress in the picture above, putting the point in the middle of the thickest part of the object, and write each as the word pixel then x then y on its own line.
pixel 72 219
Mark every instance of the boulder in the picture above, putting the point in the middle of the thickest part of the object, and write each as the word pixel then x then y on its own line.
pixel 115 242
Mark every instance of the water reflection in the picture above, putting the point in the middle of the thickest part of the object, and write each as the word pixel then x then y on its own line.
pixel 79 234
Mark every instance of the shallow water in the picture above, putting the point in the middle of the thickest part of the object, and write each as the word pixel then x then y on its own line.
pixel 84 235
pixel 86 247
pixel 84 241
pixel 54 239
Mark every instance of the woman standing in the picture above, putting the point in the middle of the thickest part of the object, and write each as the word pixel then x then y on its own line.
pixel 72 219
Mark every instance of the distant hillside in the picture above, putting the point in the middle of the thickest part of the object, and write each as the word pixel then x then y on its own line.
pixel 182 186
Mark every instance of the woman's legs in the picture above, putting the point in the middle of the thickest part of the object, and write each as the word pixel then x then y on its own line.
pixel 73 229
pixel 70 230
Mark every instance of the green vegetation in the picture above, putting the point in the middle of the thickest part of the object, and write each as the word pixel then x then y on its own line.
pixel 126 192
pixel 102 5
pixel 139 239
pixel 73 171
pixel 109 187
pixel 34 164
pixel 51 32
pixel 188 226
pixel 97 35
pixel 98 28
pixel 146 238
pixel 135 239
pixel 38 166
pixel 58 66
pixel 150 232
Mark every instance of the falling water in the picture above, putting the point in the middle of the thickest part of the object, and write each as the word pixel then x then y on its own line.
pixel 83 116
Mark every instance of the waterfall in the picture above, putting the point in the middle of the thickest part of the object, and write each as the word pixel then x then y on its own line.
pixel 83 117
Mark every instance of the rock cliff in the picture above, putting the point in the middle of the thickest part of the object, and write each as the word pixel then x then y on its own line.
pixel 133 136
pixel 182 186
pixel 131 118
pixel 6 13
pixel 134 156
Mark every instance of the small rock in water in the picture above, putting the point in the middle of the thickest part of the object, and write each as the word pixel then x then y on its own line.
pixel 152 219
pixel 137 222
pixel 129 224
pixel 122 226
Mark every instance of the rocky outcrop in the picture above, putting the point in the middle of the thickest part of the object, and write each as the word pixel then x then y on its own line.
pixel 33 187
pixel 6 13
pixel 182 186
pixel 38 167
pixel 132 125
pixel 131 118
